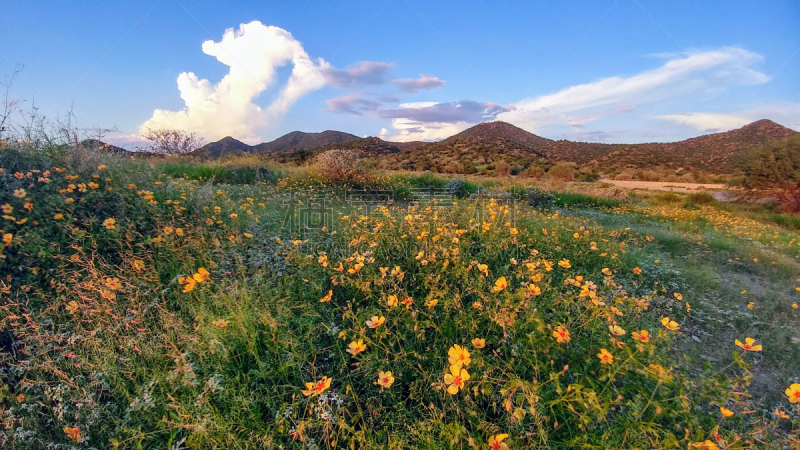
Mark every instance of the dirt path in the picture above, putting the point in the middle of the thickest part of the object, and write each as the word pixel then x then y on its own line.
pixel 664 186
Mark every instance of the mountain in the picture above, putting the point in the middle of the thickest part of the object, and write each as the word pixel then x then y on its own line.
pixel 299 139
pixel 222 147
pixel 484 145
pixel 368 147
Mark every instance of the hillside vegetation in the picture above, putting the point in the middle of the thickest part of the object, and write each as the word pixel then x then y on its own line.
pixel 146 305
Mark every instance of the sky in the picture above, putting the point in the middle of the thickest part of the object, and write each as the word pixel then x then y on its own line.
pixel 599 71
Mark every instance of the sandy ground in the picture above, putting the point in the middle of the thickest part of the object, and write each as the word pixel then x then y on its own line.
pixel 663 186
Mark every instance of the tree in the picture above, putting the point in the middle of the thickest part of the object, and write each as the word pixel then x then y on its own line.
pixel 775 170
pixel 9 105
pixel 301 156
pixel 171 142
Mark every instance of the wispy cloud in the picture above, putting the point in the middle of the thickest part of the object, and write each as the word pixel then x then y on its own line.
pixel 365 73
pixel 253 54
pixel 415 85
pixel 787 114
pixel 448 112
pixel 352 104
pixel 687 74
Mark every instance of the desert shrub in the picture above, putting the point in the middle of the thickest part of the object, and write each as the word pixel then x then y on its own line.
pixel 502 168
pixel 337 165
pixel 534 171
pixel 539 198
pixel 701 198
pixel 775 170
pixel 170 141
pixel 575 200
pixel 562 171
pixel 458 188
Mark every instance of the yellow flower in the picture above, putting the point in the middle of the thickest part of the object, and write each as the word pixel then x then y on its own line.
pixel 221 323
pixel 201 275
pixel 793 392
pixel 109 223
pixel 179 231
pixel 671 325
pixel 781 414
pixel 606 271
pixel 484 269
pixel 641 336
pixel 534 290
pixel 189 282
pixel 72 307
pixel 248 235
pixel 327 297
pixel 751 305
pixel 7 209
pixel 138 265
pixel 795 306
pixel 58 216
pixel 496 442
pixel 317 388
pixel 637 271
pixel 561 334
pixel 356 347
pixel 500 284
pixel 168 230
pixel 455 379
pixel 7 239
pixel 19 193
pixel 458 356
pixel 706 445
pixel 678 296
pixel 565 264
pixel 323 260
pixel 375 321
pixel 616 330
pixel 385 379
pixel 73 433
pixel 392 300
pixel 514 231
pixel 234 216
pixel 113 283
pixel 748 345
pixel 101 167
pixel 605 356
pixel 725 412
pixel 479 343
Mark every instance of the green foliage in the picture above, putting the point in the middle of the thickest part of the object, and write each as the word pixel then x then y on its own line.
pixel 701 198
pixel 539 198
pixel 459 188
pixel 775 169
pixel 574 200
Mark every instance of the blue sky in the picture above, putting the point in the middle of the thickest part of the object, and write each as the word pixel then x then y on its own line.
pixel 604 70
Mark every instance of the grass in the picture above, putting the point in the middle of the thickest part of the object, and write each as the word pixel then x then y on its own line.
pixel 206 316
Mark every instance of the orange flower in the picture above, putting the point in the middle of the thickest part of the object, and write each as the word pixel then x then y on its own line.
pixel 793 392
pixel 7 239
pixel 500 284
pixel 496 442
pixel 706 445
pixel 616 330
pixel 72 307
pixel 356 347
pixel 201 275
pixel 561 334
pixel 138 265
pixel 565 264
pixel 748 345
pixel 179 231
pixel 781 414
pixel 479 343
pixel 375 321
pixel 678 296
pixel 109 223
pixel 327 297
pixel 458 356
pixel 234 216
pixel 392 300
pixel 606 271
pixel 317 388
pixel 323 260
pixel 637 271
pixel 7 209
pixel 19 193
pixel 455 379
pixel 385 379
pixel 189 282
pixel 641 336
pixel 726 412
pixel 534 290
pixel 73 433
pixel 671 325
pixel 605 356
pixel 168 230
pixel 221 323
pixel 408 302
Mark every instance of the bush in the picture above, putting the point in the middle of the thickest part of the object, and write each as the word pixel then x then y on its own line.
pixel 562 171
pixel 701 198
pixel 337 165
pixel 539 198
pixel 458 188
pixel 534 172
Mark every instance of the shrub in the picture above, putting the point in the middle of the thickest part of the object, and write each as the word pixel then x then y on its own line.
pixel 701 198
pixel 562 171
pixel 458 188
pixel 534 172
pixel 539 198
pixel 337 165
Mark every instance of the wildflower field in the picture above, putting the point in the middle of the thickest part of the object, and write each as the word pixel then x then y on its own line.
pixel 144 307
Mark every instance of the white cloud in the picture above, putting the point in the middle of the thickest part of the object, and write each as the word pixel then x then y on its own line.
pixel 414 85
pixel 253 53
pixel 363 74
pixel 688 74
pixel 786 114
pixel 406 130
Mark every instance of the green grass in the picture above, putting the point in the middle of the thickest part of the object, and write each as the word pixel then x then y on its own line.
pixel 100 331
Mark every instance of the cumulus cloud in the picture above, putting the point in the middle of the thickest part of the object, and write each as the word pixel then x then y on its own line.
pixel 362 74
pixel 415 85
pixel 688 74
pixel 253 53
